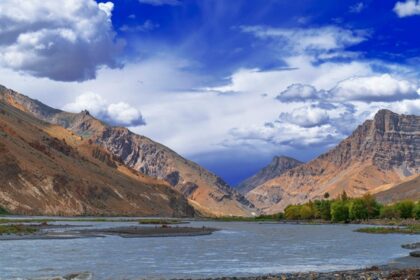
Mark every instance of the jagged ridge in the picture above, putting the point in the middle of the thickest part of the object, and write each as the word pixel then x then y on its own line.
pixel 47 170
pixel 277 166
pixel 380 151
pixel 207 192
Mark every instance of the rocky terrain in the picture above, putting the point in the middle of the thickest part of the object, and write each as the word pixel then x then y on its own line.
pixel 277 167
pixel 48 170
pixel 380 152
pixel 206 192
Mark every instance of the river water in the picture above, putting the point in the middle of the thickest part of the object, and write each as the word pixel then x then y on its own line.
pixel 238 249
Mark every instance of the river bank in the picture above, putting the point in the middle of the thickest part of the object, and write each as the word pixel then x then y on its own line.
pixel 404 268
pixel 43 231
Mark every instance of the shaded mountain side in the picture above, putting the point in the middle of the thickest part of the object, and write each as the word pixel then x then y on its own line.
pixel 409 189
pixel 380 151
pixel 207 192
pixel 277 166
pixel 48 170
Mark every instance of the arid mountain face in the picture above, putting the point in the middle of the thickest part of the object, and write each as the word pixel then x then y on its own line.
pixel 277 167
pixel 48 170
pixel 381 151
pixel 408 189
pixel 206 192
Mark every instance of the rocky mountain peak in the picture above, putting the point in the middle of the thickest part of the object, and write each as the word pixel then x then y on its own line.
pixel 277 166
pixel 382 151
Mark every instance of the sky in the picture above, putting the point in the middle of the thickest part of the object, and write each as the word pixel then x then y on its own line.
pixel 228 84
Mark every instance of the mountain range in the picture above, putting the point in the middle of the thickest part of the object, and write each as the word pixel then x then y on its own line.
pixel 54 162
pixel 378 157
pixel 206 192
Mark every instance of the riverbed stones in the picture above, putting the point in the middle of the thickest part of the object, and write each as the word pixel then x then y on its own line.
pixel 411 246
pixel 415 254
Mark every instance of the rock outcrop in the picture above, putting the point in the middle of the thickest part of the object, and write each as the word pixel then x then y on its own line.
pixel 208 193
pixel 381 151
pixel 277 167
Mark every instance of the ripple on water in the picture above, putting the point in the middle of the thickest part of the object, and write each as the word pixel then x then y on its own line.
pixel 238 249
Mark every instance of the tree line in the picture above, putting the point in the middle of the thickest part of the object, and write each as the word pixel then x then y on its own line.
pixel 346 209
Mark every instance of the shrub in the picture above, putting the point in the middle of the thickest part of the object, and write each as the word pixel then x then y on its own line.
pixel 358 210
pixel 339 211
pixel 405 209
pixel 389 212
pixel 292 212
pixel 3 211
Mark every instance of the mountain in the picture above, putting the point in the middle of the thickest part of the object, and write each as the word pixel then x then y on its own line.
pixel 277 166
pixel 48 170
pixel 385 150
pixel 408 189
pixel 206 192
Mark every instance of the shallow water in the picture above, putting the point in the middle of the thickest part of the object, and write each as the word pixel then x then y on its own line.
pixel 239 249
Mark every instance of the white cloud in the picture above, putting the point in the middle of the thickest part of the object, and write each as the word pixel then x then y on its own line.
pixel 161 2
pixel 299 40
pixel 357 8
pixel 407 8
pixel 375 88
pixel 148 25
pixel 306 116
pixel 300 92
pixel 62 40
pixel 107 8
pixel 115 113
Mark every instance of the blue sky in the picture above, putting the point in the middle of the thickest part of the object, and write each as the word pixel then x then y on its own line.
pixel 228 84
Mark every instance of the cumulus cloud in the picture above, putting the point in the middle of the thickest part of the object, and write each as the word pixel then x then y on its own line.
pixel 283 134
pixel 62 40
pixel 375 88
pixel 161 2
pixel 115 113
pixel 306 116
pixel 300 93
pixel 407 8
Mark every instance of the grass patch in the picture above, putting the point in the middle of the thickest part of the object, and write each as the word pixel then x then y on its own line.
pixel 17 229
pixel 411 229
pixel 159 222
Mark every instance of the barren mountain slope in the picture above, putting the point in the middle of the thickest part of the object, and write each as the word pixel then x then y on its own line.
pixel 277 166
pixel 381 151
pixel 48 170
pixel 409 189
pixel 207 193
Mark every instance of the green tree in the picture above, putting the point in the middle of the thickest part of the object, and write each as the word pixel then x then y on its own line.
pixel 344 196
pixel 323 209
pixel 372 206
pixel 358 210
pixel 389 212
pixel 416 211
pixel 292 212
pixel 339 211
pixel 306 212
pixel 405 208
